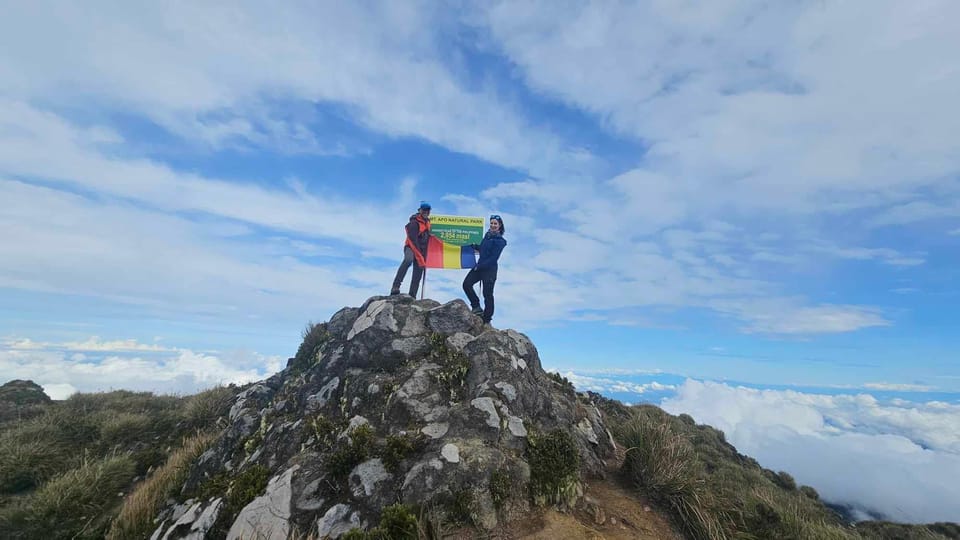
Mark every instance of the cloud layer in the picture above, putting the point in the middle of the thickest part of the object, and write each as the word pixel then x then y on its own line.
pixel 900 460
pixel 128 365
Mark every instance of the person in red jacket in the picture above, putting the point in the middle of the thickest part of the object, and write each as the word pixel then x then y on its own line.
pixel 414 250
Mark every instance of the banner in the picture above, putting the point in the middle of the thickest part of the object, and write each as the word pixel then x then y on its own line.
pixel 450 241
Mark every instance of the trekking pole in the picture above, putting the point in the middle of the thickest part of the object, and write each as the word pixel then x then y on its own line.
pixel 423 285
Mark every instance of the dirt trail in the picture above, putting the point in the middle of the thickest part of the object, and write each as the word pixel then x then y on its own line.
pixel 624 516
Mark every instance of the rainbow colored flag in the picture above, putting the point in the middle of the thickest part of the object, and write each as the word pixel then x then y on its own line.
pixel 443 255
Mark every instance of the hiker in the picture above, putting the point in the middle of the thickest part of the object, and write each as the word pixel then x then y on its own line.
pixel 414 249
pixel 486 269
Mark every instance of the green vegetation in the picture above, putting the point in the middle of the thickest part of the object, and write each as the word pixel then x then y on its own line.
pixel 308 354
pixel 75 457
pixel 136 516
pixel 398 447
pixel 459 507
pixel 397 522
pixel 712 491
pixel 358 447
pixel 884 530
pixel 561 380
pixel 76 504
pixel 501 486
pixel 454 366
pixel 554 467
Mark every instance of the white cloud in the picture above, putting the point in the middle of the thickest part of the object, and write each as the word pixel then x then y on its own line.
pixel 899 387
pixel 899 459
pixel 213 74
pixel 785 316
pixel 744 122
pixel 91 344
pixel 605 384
pixel 59 391
pixel 757 108
pixel 180 372
pixel 157 261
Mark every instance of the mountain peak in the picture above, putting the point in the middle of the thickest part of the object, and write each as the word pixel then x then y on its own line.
pixel 399 400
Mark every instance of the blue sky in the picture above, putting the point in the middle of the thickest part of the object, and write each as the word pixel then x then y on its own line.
pixel 717 191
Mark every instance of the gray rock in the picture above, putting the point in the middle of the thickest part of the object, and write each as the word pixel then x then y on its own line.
pixel 365 476
pixel 379 313
pixel 486 405
pixel 435 430
pixel 377 367
pixel 450 452
pixel 587 430
pixel 307 498
pixel 507 390
pixel 453 317
pixel 459 340
pixel 516 427
pixel 267 516
pixel 319 400
pixel 337 521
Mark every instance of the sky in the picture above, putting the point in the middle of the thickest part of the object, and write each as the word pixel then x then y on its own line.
pixel 741 203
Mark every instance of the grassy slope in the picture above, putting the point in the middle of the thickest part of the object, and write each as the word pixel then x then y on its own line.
pixel 62 470
pixel 712 491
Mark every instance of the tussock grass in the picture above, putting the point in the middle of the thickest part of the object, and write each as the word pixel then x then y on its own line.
pixel 25 464
pixel 208 408
pixel 68 437
pixel 664 465
pixel 711 490
pixel 73 505
pixel 136 516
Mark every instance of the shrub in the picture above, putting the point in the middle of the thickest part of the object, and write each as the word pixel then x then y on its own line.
pixel 501 485
pixel 73 505
pixel 314 337
pixel 26 464
pixel 454 366
pixel 459 507
pixel 561 380
pixel 397 522
pixel 123 428
pixel 398 447
pixel 136 516
pixel 788 515
pixel 355 451
pixel 664 465
pixel 206 409
pixel 810 493
pixel 786 481
pixel 554 467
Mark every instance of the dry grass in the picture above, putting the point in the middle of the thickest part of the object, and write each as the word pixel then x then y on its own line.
pixel 139 509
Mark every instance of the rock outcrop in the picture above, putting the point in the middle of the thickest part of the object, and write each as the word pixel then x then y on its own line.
pixel 396 401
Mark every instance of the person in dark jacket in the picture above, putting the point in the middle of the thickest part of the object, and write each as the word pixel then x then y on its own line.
pixel 486 269
pixel 414 250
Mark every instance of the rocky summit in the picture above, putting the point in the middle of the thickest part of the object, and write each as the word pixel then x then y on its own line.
pixel 397 402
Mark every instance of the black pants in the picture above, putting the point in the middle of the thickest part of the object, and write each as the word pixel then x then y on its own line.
pixel 487 278
pixel 408 259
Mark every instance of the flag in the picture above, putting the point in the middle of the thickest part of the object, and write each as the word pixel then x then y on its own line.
pixel 443 255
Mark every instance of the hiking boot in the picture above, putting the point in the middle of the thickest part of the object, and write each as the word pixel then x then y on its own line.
pixel 394 292
pixel 477 310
